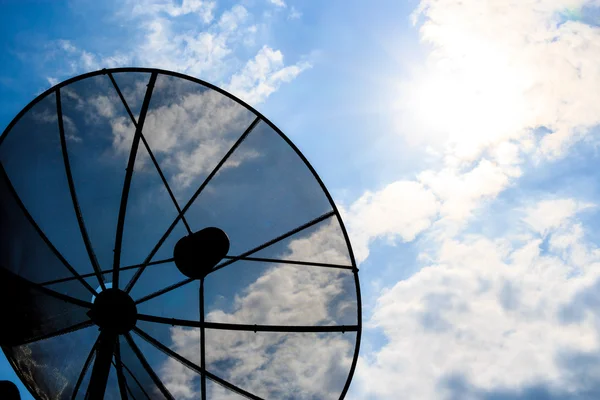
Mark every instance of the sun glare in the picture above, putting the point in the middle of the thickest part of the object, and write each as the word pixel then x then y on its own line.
pixel 465 100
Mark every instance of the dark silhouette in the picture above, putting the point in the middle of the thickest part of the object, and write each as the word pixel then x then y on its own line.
pixel 54 312
pixel 9 391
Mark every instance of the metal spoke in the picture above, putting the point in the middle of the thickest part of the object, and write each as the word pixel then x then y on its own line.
pixel 76 208
pixel 236 258
pixel 46 291
pixel 191 200
pixel 164 180
pixel 135 379
pixel 147 367
pixel 127 108
pixel 69 329
pixel 118 366
pixel 248 327
pixel 101 368
pixel 276 261
pixel 193 366
pixel 127 183
pixel 164 290
pixel 106 271
pixel 154 161
pixel 125 380
pixel 273 241
pixel 42 235
pixel 129 391
pixel 202 343
pixel 86 365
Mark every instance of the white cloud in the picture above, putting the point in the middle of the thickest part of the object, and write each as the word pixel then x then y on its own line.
pixel 498 69
pixel 189 134
pixel 401 210
pixel 446 198
pixel 179 379
pixel 461 191
pixel 104 106
pixel 488 310
pixel 193 131
pixel 48 117
pixel 493 310
pixel 208 50
pixel 288 295
pixel 294 13
pixel 549 214
pixel 495 72
pixel 263 75
pixel 278 3
pixel 52 81
pixel 204 9
pixel 199 53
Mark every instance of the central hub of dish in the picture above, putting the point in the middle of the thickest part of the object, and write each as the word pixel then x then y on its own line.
pixel 114 310
pixel 197 254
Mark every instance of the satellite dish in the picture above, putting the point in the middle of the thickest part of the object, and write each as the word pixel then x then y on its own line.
pixel 222 266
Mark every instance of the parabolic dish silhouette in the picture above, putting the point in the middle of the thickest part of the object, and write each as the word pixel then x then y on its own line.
pixel 101 177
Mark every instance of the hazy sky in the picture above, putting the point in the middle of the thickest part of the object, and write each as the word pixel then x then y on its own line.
pixel 458 137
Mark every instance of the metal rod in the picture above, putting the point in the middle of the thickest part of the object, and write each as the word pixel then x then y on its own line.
pixel 273 241
pixel 236 258
pixel 135 379
pixel 125 380
pixel 119 367
pixel 247 327
pixel 127 183
pixel 202 343
pixel 191 200
pixel 114 83
pixel 272 260
pixel 48 292
pixel 101 368
pixel 69 329
pixel 147 367
pixel 84 369
pixel 164 180
pixel 164 290
pixel 129 391
pixel 192 365
pixel 154 161
pixel 105 271
pixel 76 208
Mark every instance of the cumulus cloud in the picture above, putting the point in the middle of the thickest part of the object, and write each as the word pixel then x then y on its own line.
pixel 278 3
pixel 204 9
pixel 196 52
pixel 505 84
pixel 263 75
pixel 499 69
pixel 404 209
pixel 209 49
pixel 490 310
pixel 549 214
pixel 190 132
pixel 401 210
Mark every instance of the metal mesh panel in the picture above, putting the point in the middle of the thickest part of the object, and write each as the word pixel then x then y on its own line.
pixel 33 158
pixel 51 367
pixel 282 365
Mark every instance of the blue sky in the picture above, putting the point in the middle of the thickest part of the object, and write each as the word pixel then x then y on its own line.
pixel 459 139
